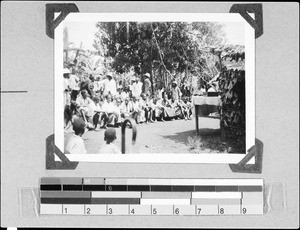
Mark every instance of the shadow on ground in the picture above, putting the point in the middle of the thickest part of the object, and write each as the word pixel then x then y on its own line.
pixel 181 137
pixel 208 141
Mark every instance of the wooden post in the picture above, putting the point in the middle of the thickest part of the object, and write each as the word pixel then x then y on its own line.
pixel 196 118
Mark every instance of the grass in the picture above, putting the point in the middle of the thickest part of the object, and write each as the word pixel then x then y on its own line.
pixel 213 143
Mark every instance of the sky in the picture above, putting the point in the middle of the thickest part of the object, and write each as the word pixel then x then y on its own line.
pixel 84 32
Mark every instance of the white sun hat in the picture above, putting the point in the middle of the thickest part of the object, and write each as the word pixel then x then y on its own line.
pixel 66 70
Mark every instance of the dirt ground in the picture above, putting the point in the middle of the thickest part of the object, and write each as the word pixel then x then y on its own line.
pixel 159 137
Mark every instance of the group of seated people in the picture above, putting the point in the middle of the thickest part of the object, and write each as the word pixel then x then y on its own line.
pixel 111 111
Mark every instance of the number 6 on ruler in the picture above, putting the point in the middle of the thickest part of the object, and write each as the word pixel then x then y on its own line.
pixel 154 211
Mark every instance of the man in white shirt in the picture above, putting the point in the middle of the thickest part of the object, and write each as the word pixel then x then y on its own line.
pixel 74 85
pixel 126 108
pixel 75 144
pixel 109 85
pixel 66 93
pixel 136 88
pixel 111 110
pixel 83 104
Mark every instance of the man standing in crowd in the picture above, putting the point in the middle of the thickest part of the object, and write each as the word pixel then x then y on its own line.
pixel 67 88
pixel 136 88
pixel 175 91
pixel 87 84
pixel 74 85
pixel 109 85
pixel 147 84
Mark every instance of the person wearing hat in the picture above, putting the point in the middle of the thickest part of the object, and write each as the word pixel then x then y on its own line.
pixel 147 84
pixel 109 85
pixel 109 147
pixel 175 91
pixel 67 89
pixel 75 143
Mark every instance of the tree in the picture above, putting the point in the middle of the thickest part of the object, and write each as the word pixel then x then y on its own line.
pixel 164 49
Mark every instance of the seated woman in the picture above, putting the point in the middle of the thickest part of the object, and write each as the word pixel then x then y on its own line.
pixel 99 115
pixel 110 108
pixel 186 109
pixel 178 108
pixel 157 110
pixel 118 102
pixel 168 111
pixel 145 105
pixel 126 109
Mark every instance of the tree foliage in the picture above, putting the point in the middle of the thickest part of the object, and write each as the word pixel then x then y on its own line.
pixel 232 89
pixel 164 49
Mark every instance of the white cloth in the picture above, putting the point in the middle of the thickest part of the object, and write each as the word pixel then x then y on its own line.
pixel 93 108
pixel 136 89
pixel 126 109
pixel 76 145
pixel 97 86
pixel 124 95
pixel 110 86
pixel 142 103
pixel 136 106
pixel 109 107
pixel 201 100
pixel 83 102
pixel 66 84
pixel 200 91
pixel 211 89
pixel 73 82
pixel 66 93
pixel 109 149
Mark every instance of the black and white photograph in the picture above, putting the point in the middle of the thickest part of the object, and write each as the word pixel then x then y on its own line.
pixel 149 114
pixel 185 82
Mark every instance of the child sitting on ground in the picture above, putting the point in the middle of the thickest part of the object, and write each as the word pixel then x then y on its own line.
pixel 75 144
pixel 108 147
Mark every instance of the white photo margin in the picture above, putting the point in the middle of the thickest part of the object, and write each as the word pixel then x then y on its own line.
pixel 157 17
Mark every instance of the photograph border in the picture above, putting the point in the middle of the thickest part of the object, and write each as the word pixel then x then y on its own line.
pixel 157 17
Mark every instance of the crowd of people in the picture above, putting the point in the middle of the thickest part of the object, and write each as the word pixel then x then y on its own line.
pixel 93 104
pixel 102 104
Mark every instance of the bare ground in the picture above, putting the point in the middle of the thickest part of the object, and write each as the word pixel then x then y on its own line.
pixel 177 136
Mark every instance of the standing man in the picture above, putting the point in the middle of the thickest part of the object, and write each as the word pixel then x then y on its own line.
pixel 67 88
pixel 175 91
pixel 74 85
pixel 147 84
pixel 137 88
pixel 109 85
pixel 87 84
